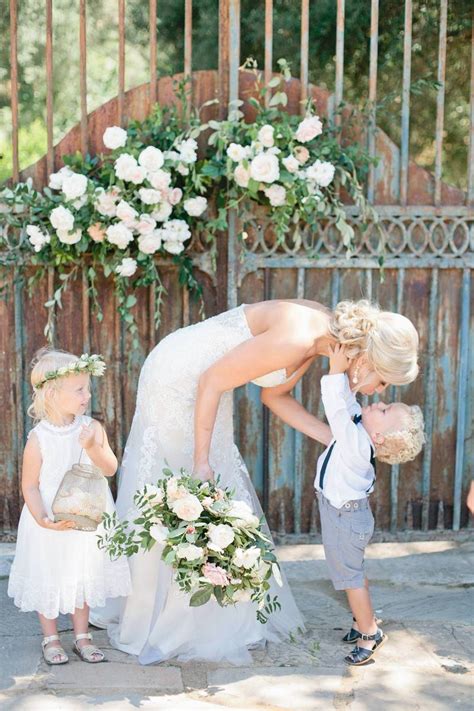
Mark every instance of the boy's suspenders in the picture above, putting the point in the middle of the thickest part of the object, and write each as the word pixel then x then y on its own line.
pixel 356 419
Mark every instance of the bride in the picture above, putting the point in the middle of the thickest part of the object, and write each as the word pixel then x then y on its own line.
pixel 184 418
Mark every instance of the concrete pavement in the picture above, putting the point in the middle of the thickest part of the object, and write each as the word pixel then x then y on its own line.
pixel 422 590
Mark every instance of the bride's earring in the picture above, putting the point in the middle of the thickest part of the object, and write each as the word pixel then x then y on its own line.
pixel 355 377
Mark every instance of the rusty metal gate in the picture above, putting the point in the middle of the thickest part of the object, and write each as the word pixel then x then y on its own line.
pixel 428 228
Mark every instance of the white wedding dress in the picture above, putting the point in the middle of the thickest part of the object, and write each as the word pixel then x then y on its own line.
pixel 156 621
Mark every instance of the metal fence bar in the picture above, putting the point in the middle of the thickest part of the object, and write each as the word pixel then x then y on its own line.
pixel 440 100
pixel 430 397
pixel 374 47
pixel 188 50
pixel 152 32
pixel 304 53
pixel 463 378
pixel 339 61
pixel 83 76
pixel 234 49
pixel 49 87
pixel 405 139
pixel 14 86
pixel 121 62
pixel 394 396
pixel 298 436
pixel 470 169
pixel 268 64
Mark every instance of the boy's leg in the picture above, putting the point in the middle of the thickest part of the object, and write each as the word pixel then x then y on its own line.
pixel 361 606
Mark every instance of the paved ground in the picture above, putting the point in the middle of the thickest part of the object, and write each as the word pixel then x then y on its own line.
pixel 423 591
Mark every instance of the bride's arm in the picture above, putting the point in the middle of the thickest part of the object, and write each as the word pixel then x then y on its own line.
pixel 259 355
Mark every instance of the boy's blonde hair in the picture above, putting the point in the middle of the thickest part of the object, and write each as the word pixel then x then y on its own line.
pixel 389 340
pixel 404 444
pixel 46 359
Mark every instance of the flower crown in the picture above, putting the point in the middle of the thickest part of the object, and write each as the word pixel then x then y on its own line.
pixel 93 364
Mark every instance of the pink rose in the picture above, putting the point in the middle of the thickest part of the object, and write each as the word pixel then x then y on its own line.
pixel 301 154
pixel 175 196
pixel 96 232
pixel 215 574
pixel 309 128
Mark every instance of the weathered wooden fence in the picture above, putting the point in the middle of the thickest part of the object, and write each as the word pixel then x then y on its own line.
pixel 429 232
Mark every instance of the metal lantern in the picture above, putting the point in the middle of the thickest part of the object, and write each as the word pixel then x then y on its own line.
pixel 81 497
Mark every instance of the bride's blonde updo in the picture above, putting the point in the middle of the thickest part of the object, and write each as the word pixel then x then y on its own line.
pixel 389 340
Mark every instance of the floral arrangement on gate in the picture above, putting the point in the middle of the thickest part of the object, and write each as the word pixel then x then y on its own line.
pixel 213 541
pixel 119 210
pixel 293 166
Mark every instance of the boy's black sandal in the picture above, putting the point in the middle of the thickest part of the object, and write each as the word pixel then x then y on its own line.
pixel 360 655
pixel 351 636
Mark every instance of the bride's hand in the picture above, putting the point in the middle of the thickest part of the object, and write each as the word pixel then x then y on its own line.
pixel 203 472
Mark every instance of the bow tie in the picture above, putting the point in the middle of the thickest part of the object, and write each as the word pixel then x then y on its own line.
pixel 356 419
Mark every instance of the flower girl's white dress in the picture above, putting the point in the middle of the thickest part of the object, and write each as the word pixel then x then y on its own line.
pixel 156 621
pixel 56 571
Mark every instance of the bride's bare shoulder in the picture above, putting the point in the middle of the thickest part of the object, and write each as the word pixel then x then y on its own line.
pixel 286 314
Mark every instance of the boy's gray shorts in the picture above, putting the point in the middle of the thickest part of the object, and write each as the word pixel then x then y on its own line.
pixel 346 532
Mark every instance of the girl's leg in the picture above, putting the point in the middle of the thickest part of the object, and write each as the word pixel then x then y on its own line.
pixel 80 622
pixel 49 628
pixel 361 606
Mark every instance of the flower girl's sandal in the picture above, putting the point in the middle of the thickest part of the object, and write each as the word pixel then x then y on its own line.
pixel 55 654
pixel 89 652
pixel 360 655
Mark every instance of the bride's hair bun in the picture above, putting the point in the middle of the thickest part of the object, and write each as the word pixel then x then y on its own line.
pixel 389 339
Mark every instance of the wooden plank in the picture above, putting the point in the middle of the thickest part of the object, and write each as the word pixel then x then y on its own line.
pixel 374 45
pixel 405 140
pixel 470 166
pixel 338 93
pixel 153 52
pixel 188 49
pixel 304 52
pixel 121 63
pixel 440 100
pixel 268 64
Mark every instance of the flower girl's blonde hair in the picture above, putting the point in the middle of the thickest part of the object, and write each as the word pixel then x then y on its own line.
pixel 46 360
pixel 389 340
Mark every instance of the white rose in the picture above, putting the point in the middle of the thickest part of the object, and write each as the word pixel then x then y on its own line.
pixel 195 206
pixel 154 494
pixel 37 238
pixel 159 533
pixel 56 179
pixel 291 164
pixel 236 152
pixel 127 168
pixel 151 158
pixel 276 194
pixel 79 202
pixel 188 508
pixel 172 156
pixel 161 213
pixel 265 136
pixel 74 186
pixel 149 196
pixel 320 172
pixel 173 246
pixel 243 514
pixel 188 551
pixel 220 536
pixel 242 176
pixel 61 218
pixel 106 202
pixel 127 267
pixel 145 224
pixel 68 237
pixel 114 137
pixel 182 169
pixel 176 230
pixel 264 168
pixel 308 129
pixel 119 235
pixel 174 491
pixel 187 151
pixel 175 196
pixel 242 596
pixel 150 243
pixel 126 212
pixel 159 179
pixel 246 558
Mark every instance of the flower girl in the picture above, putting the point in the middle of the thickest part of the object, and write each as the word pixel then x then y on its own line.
pixel 58 569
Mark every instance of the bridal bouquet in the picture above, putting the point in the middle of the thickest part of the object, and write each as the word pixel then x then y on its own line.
pixel 213 541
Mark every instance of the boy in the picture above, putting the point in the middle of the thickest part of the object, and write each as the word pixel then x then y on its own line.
pixel 344 479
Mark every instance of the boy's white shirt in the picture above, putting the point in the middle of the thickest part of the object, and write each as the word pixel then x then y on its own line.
pixel 349 473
